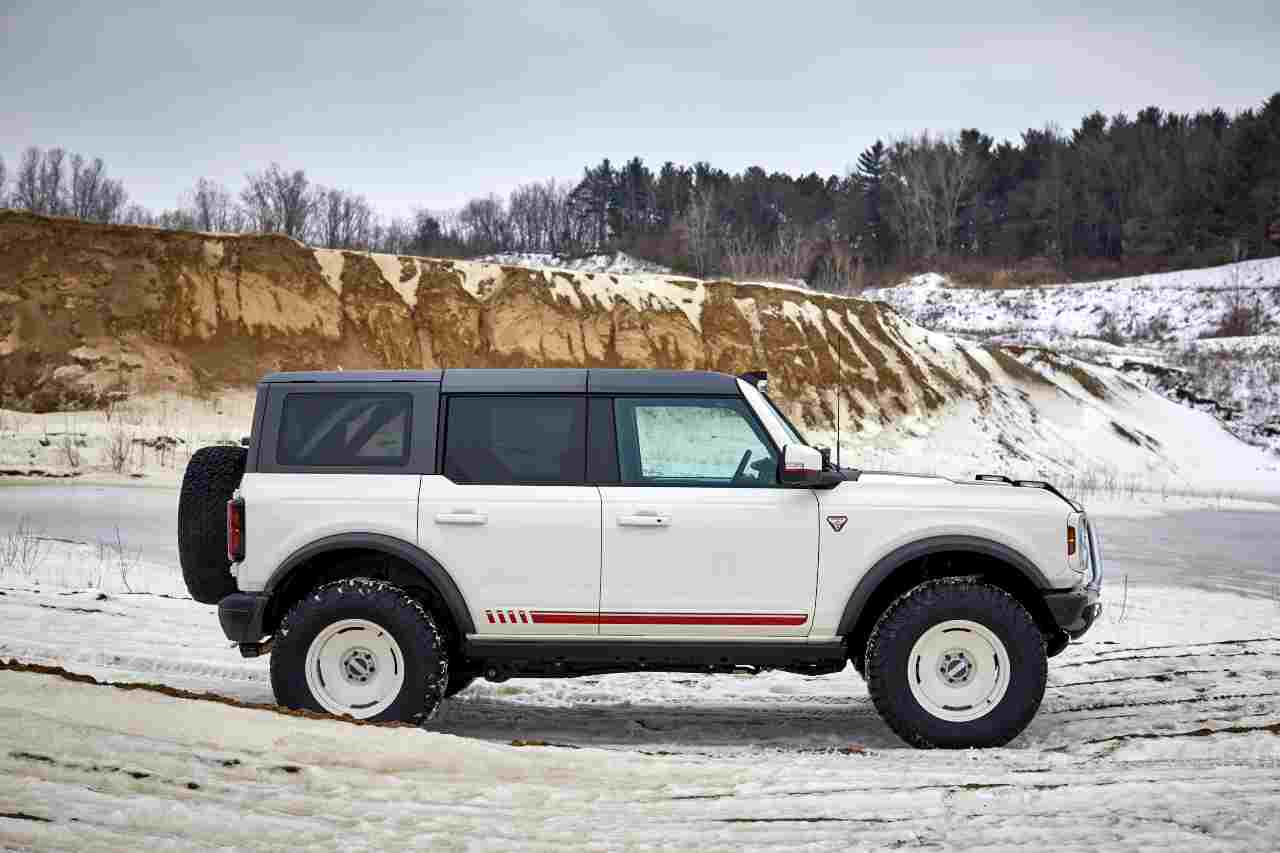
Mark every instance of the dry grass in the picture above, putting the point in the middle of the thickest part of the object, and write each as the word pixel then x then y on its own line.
pixel 1121 608
pixel 1103 484
pixel 23 551
pixel 69 448
pixel 114 559
pixel 119 449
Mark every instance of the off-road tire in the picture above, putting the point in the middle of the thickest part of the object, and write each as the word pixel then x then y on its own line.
pixel 212 475
pixel 933 602
pixel 426 663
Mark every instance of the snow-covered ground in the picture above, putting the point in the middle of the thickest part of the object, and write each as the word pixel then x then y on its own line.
pixel 1109 437
pixel 151 437
pixel 1185 305
pixel 1159 730
pixel 1161 330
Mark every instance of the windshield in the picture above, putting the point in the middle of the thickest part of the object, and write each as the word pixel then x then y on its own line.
pixel 775 420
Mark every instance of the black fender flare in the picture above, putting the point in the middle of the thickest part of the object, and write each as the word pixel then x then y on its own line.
pixel 424 563
pixel 884 568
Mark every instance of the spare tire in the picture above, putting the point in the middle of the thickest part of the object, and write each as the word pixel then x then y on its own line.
pixel 212 475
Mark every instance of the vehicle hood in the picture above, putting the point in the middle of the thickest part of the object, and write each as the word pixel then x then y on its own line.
pixel 937 490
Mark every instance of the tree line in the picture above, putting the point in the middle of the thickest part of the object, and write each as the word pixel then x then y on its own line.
pixel 1159 190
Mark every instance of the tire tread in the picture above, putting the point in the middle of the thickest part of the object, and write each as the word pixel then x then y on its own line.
pixel 212 476
pixel 289 683
pixel 931 596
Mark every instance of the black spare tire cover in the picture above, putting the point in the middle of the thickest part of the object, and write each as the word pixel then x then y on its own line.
pixel 212 475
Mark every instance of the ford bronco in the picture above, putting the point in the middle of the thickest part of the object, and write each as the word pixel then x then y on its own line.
pixel 388 537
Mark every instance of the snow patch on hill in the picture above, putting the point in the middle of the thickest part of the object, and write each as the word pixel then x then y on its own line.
pixel 1185 305
pixel 608 262
pixel 1157 330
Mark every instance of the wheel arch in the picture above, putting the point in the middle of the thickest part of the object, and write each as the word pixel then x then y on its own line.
pixel 944 556
pixel 405 563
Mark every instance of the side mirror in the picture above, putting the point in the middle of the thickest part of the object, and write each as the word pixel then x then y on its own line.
pixel 802 466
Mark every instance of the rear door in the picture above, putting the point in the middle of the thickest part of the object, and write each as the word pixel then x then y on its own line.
pixel 699 537
pixel 510 514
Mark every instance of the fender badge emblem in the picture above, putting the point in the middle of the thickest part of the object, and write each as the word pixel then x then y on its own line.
pixel 837 522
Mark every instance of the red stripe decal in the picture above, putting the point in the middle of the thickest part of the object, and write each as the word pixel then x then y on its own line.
pixel 489 613
pixel 539 618
pixel 742 619
pixel 502 617
pixel 523 617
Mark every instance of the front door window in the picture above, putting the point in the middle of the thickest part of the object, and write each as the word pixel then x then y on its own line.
pixel 692 442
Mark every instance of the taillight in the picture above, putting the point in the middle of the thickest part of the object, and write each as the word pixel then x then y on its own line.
pixel 1071 540
pixel 235 530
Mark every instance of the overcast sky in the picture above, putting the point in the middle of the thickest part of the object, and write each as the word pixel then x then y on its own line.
pixel 423 104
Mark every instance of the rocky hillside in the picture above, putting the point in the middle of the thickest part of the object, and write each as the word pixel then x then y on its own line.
pixel 89 311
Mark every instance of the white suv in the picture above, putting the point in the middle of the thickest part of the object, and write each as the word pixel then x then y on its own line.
pixel 390 536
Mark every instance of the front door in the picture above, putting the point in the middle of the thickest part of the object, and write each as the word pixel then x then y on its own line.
pixel 700 539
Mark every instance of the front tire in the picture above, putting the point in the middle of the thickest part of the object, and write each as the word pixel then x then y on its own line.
pixel 361 648
pixel 956 663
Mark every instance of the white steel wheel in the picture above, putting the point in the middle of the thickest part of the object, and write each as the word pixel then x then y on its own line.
pixel 355 667
pixel 958 670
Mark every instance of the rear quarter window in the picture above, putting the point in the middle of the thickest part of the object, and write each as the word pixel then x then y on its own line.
pixel 345 429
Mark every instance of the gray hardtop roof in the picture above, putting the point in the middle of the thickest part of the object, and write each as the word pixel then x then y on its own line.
pixel 354 376
pixel 536 380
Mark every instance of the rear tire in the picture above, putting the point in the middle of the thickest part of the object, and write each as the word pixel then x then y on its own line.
pixel 212 475
pixel 956 663
pixel 362 648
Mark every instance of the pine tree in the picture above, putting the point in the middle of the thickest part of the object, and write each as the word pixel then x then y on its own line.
pixel 870 177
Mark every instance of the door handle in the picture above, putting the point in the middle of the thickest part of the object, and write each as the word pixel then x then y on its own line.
pixel 462 517
pixel 644 520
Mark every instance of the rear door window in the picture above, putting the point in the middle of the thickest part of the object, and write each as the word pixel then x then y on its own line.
pixel 516 440
pixel 345 430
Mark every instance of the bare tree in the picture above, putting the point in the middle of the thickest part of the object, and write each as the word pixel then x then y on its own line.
pixel 94 196
pixel 277 201
pixel 136 214
pixel 787 258
pixel 4 185
pixel 395 238
pixel 929 177
pixel 111 201
pixel 53 181
pixel 485 224
pixel 537 218
pixel 28 193
pixel 213 208
pixel 343 220
pixel 174 220
pixel 560 236
pixel 525 216
pixel 86 180
pixel 701 224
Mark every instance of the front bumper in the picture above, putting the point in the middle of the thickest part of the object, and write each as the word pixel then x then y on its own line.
pixel 242 615
pixel 1074 610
